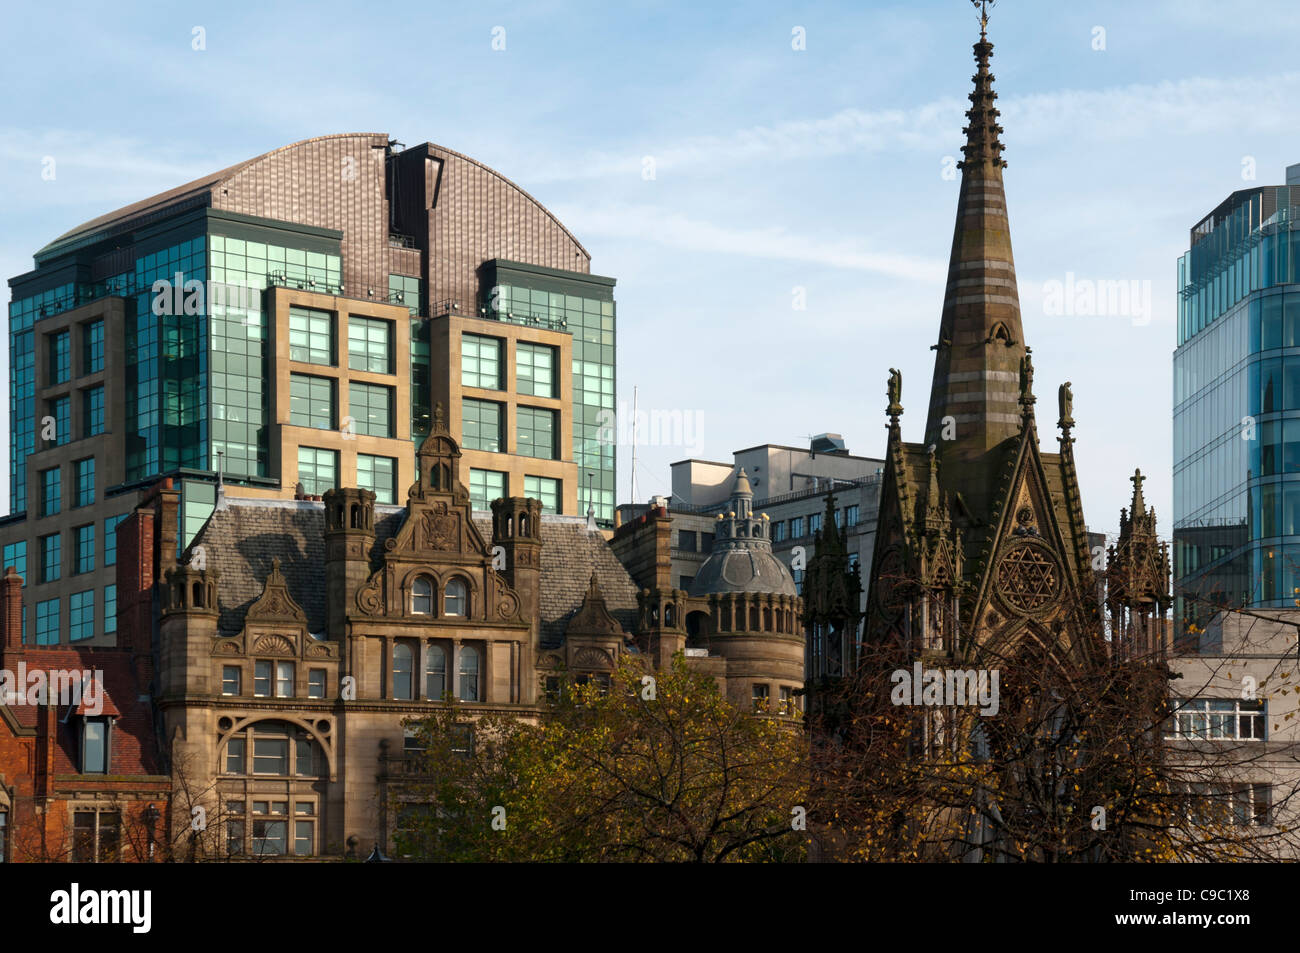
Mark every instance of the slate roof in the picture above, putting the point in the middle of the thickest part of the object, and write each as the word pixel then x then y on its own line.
pixel 242 537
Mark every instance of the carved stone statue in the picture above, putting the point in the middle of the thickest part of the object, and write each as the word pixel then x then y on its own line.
pixel 1026 376
pixel 895 392
pixel 1066 400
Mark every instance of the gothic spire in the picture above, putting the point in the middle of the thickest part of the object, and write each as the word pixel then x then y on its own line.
pixel 981 340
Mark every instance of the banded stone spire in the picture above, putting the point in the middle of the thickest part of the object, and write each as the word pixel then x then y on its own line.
pixel 981 340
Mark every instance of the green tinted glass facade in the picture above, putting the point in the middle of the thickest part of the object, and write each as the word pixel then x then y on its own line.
pixel 583 306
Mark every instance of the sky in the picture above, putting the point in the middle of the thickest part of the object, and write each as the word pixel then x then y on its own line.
pixel 770 183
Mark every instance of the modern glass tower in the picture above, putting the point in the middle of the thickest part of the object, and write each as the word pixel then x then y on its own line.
pixel 1237 407
pixel 288 325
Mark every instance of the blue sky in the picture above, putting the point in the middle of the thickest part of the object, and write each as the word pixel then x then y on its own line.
pixel 819 169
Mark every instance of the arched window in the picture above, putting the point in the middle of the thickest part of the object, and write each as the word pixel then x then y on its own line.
pixel 468 673
pixel 274 748
pixel 435 673
pixel 422 597
pixel 454 601
pixel 403 669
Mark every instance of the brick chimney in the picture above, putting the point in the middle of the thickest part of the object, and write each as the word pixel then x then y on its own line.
pixel 11 613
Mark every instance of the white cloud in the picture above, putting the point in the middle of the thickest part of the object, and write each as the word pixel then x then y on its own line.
pixel 649 223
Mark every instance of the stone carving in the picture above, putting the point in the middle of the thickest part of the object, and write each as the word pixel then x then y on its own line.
pixel 273 645
pixel 370 597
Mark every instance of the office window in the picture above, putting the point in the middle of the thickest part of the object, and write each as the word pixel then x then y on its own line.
pixel 311 336
pixel 796 527
pixel 370 345
pixel 814 523
pixel 47 622
pixel 51 491
pixel 371 407
pixel 84 471
pixel 403 670
pixel 304 837
pixel 545 489
pixel 270 827
pixel 110 539
pixel 454 600
pixel 379 475
pixel 92 347
pixel 262 679
pixel 81 615
pixel 405 289
pixel 785 705
pixel 778 531
pixel 60 357
pixel 15 554
pixel 422 596
pixel 311 401
pixel 535 369
pixel 536 433
pixel 686 541
pixel 480 362
pixel 851 515
pixel 435 673
pixel 231 679
pixel 468 673
pixel 83 554
pixel 235 828
pixel 92 411
pixel 486 486
pixel 60 409
pixel 481 425
pixel 51 557
pixel 1219 719
pixel 283 679
pixel 839 519
pixel 760 696
pixel 235 755
pixel 96 837
pixel 317 470
pixel 110 608
pixel 278 749
pixel 316 683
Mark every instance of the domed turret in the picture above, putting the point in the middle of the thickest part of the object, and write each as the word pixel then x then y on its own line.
pixel 742 559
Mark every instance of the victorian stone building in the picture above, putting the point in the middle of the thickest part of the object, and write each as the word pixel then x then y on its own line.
pixel 294 638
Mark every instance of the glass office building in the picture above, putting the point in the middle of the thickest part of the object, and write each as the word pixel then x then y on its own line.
pixel 1236 402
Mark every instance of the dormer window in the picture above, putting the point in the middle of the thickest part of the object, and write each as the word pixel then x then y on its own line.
pixel 422 597
pixel 94 745
pixel 455 601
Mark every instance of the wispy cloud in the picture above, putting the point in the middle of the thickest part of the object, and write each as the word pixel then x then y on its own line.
pixel 1193 106
pixel 651 223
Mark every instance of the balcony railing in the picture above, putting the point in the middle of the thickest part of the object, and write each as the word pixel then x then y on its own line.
pixel 282 280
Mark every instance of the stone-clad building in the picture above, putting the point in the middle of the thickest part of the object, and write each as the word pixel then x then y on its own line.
pixel 742 618
pixel 295 636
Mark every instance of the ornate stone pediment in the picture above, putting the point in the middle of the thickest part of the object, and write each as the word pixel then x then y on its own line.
pixel 275 604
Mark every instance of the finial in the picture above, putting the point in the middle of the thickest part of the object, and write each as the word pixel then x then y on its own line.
pixel 983 7
pixel 439 418
pixel 894 391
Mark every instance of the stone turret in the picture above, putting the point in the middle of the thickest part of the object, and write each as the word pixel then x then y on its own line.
pixel 349 537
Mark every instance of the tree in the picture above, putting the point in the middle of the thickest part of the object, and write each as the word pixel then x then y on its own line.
pixel 659 767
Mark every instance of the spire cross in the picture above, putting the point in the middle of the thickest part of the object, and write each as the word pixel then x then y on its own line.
pixel 983 7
